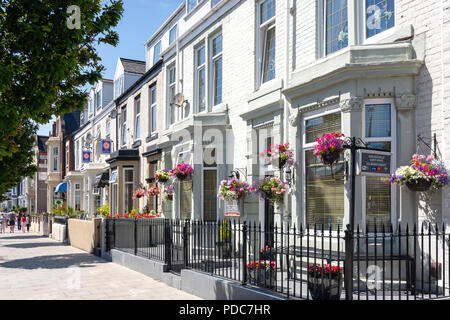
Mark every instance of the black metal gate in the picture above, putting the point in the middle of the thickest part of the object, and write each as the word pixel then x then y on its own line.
pixel 176 243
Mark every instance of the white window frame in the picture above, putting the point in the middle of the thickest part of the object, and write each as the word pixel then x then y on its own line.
pixel 198 69
pixel 263 28
pixel 156 58
pixel 363 22
pixel 55 156
pixel 77 191
pixel 393 140
pixel 125 183
pixel 213 60
pixel 137 118
pixel 153 104
pixel 323 29
pixel 171 34
pixel 195 6
pixel 123 127
pixel 171 85
pixel 308 147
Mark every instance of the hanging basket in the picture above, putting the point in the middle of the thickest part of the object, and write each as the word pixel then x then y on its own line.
pixel 281 163
pixel 162 180
pixel 330 157
pixel 419 185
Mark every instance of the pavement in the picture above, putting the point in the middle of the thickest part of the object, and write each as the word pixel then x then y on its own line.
pixel 33 267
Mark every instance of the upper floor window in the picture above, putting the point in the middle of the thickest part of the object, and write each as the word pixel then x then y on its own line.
pixel 200 78
pixel 173 34
pixel 118 87
pixel 55 154
pixel 379 16
pixel 171 93
pixel 108 127
pixel 267 38
pixel 67 158
pixel 156 52
pixel 153 109
pixel 77 152
pixel 98 99
pixel 90 106
pixel 216 62
pixel 137 121
pixel 191 4
pixel 335 25
pixel 124 126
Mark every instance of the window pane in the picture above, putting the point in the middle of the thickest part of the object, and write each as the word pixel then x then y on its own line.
pixel 200 56
pixel 324 193
pixel 385 145
pixel 128 198
pixel 336 25
pixel 378 120
pixel 210 195
pixel 138 127
pixel 269 56
pixel 201 89
pixel 156 52
pixel 153 118
pixel 267 10
pixel 378 204
pixel 316 127
pixel 173 35
pixel 217 81
pixel 380 16
pixel 191 4
pixel 128 175
pixel 124 133
pixel 217 45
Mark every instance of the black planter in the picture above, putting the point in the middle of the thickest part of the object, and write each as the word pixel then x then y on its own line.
pixel 325 289
pixel 262 278
pixel 419 185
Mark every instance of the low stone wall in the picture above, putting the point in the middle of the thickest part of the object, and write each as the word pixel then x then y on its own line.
pixel 84 234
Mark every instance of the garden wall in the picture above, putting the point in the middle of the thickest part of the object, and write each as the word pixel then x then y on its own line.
pixel 84 234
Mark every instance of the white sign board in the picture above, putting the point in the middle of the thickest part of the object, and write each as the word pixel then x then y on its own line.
pixel 373 163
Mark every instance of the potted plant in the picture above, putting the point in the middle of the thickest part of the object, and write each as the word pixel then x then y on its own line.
pixel 425 173
pixel 168 193
pixel 104 210
pixel 261 273
pixel 329 147
pixel 267 253
pixel 224 244
pixel 182 172
pixel 162 176
pixel 153 191
pixel 271 188
pixel 279 155
pixel 325 281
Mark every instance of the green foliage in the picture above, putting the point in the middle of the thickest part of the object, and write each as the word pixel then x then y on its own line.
pixel 43 67
pixel 104 210
pixel 19 209
pixel 225 231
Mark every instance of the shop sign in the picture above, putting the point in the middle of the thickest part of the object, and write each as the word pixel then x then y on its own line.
pixel 374 163
pixel 105 146
pixel 86 156
pixel 232 208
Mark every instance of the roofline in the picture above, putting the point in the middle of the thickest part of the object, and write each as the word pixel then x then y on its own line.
pixel 166 23
pixel 132 60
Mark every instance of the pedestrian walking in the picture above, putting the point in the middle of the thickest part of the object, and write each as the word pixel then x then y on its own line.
pixel 24 223
pixel 19 225
pixel 28 223
pixel 12 221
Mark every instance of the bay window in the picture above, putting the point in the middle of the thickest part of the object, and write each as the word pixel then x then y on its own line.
pixel 378 195
pixel 200 78
pixel 324 188
pixel 216 62
pixel 267 38
pixel 128 185
pixel 137 121
pixel 379 16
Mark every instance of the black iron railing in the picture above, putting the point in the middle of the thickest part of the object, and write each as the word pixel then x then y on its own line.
pixel 400 263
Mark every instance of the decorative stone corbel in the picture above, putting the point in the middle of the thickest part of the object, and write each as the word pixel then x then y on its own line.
pixel 293 119
pixel 405 102
pixel 351 104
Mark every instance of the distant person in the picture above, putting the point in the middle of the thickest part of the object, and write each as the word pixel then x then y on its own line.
pixel 23 221
pixel 19 219
pixel 2 221
pixel 28 223
pixel 12 222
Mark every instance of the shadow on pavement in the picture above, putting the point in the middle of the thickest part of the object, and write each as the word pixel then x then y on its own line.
pixel 33 245
pixel 21 237
pixel 82 260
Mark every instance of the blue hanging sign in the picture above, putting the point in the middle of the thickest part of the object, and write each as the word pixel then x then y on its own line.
pixel 105 146
pixel 86 156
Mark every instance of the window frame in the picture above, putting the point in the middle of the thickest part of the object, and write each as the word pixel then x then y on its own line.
pixel 55 157
pixel 157 45
pixel 213 59
pixel 153 102
pixel 363 22
pixel 198 68
pixel 263 29
pixel 171 85
pixel 172 40
pixel 323 24
pixel 393 140
pixel 308 147
pixel 124 184
pixel 137 118
pixel 123 126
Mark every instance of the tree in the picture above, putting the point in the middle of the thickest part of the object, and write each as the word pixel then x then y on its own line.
pixel 46 57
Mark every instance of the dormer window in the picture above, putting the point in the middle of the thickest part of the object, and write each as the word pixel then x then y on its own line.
pixel 98 100
pixel 156 52
pixel 191 4
pixel 118 87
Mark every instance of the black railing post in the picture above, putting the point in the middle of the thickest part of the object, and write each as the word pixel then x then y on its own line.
pixel 114 232
pixel 107 235
pixel 135 237
pixel 186 243
pixel 167 243
pixel 348 265
pixel 244 253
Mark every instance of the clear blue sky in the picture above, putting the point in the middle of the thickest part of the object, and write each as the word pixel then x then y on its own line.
pixel 140 20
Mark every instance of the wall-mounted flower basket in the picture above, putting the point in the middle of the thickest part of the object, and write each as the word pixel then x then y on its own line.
pixel 329 147
pixel 182 172
pixel 233 189
pixel 162 176
pixel 280 155
pixel 271 188
pixel 424 174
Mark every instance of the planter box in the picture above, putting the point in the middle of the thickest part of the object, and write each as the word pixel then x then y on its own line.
pixel 325 289
pixel 262 278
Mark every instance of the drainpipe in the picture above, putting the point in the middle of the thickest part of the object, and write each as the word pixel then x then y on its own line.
pixel 286 106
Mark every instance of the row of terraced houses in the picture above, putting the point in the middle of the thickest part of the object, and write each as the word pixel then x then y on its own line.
pixel 227 78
